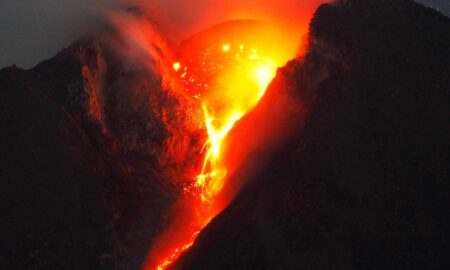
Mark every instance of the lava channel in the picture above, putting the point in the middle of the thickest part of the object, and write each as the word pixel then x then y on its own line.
pixel 227 70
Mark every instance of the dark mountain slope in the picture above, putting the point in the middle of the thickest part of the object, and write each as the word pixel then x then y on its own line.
pixel 365 184
pixel 83 146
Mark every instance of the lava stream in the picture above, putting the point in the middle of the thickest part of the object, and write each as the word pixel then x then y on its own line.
pixel 227 70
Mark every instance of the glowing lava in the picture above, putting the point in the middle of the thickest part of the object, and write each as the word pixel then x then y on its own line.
pixel 227 70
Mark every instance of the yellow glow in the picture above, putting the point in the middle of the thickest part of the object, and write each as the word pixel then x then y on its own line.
pixel 176 66
pixel 226 47
pixel 211 176
pixel 248 82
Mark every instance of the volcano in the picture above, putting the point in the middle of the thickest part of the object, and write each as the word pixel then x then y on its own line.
pixel 237 149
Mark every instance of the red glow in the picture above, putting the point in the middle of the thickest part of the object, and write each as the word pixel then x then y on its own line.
pixel 224 71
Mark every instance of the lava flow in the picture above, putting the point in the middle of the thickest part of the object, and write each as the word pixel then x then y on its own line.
pixel 227 70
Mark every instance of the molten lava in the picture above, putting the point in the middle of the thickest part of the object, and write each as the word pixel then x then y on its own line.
pixel 227 70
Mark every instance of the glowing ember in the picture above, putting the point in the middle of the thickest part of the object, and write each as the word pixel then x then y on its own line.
pixel 176 66
pixel 227 69
pixel 226 47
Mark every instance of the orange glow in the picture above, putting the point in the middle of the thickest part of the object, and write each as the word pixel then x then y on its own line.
pixel 227 70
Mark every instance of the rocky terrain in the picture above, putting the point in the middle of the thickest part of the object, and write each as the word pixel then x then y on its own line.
pixel 85 138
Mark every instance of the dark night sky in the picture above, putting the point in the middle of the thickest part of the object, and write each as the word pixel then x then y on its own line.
pixel 34 30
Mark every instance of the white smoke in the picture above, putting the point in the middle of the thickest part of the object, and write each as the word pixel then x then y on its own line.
pixel 34 30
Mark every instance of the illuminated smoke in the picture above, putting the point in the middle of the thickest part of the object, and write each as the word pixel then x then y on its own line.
pixel 179 19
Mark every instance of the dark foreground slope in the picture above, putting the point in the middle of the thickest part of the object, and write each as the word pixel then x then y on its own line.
pixel 366 183
pixel 83 144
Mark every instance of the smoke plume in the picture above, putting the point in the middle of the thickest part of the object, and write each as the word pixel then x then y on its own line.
pixel 34 30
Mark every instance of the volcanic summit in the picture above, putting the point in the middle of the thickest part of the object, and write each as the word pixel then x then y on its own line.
pixel 246 146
